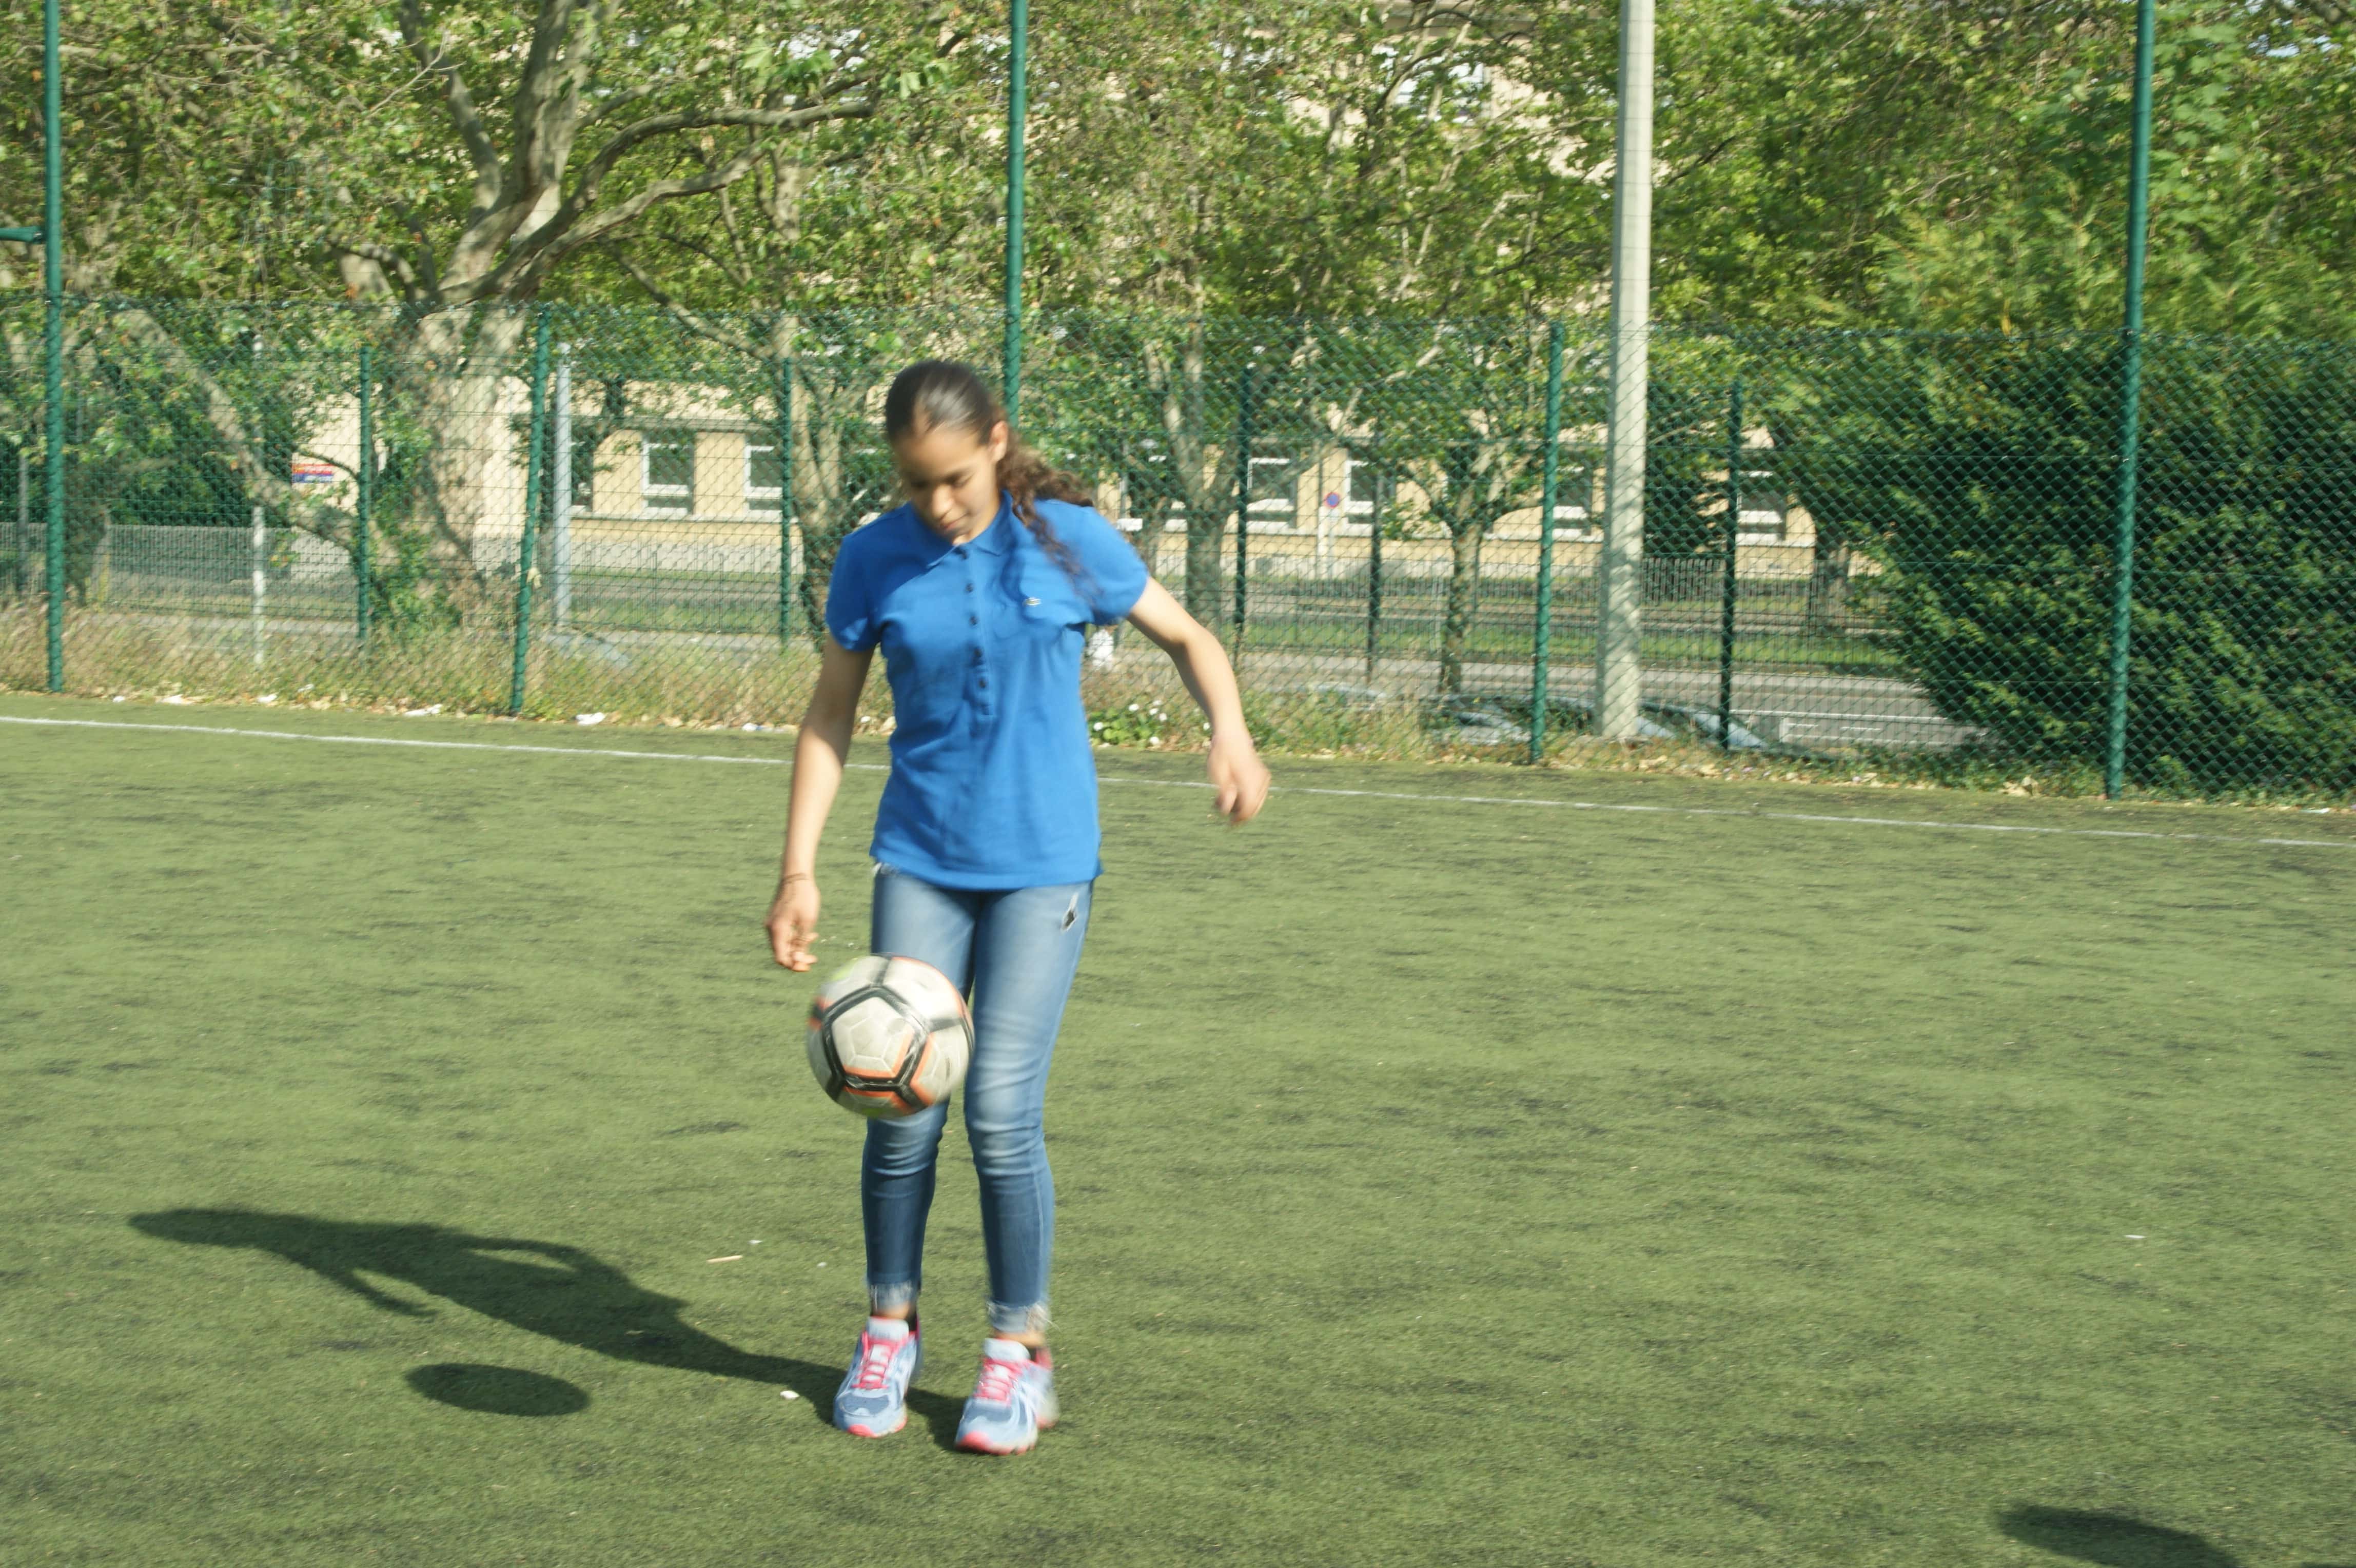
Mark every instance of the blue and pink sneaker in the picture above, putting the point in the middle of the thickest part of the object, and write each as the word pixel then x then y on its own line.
pixel 1013 1402
pixel 873 1399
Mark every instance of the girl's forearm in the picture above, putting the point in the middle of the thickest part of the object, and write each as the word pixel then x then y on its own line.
pixel 818 754
pixel 1211 681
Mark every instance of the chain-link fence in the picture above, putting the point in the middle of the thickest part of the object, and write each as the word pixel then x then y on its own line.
pixel 1900 546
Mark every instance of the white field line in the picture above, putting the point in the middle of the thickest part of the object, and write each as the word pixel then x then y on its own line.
pixel 1828 817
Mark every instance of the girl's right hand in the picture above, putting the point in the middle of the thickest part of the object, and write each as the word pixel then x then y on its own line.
pixel 793 922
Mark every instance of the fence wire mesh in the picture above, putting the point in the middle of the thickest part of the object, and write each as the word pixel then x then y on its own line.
pixel 1881 546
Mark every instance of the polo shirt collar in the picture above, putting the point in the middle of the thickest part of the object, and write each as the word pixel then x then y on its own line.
pixel 998 537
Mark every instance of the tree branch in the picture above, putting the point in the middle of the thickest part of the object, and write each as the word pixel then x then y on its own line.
pixel 545 110
pixel 694 321
pixel 592 177
pixel 463 113
pixel 384 256
pixel 221 412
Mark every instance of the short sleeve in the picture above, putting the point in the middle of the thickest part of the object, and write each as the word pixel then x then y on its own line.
pixel 850 598
pixel 1115 576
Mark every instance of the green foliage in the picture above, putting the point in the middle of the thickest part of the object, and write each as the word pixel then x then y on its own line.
pixel 1831 162
pixel 1979 474
pixel 1145 723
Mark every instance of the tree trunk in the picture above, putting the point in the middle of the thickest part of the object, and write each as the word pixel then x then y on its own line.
pixel 1204 474
pixel 1828 586
pixel 828 499
pixel 1464 602
pixel 448 378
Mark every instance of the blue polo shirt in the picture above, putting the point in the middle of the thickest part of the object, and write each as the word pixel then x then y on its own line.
pixel 994 784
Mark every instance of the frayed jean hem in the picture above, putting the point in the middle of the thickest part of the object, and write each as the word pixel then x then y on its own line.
pixel 891 1298
pixel 1005 1319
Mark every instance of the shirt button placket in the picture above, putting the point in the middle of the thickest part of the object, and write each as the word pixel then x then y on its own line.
pixel 980 661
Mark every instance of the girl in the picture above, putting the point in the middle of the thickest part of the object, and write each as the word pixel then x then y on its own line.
pixel 985 842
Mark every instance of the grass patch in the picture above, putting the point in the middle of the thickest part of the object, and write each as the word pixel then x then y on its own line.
pixel 1804 1194
pixel 730 682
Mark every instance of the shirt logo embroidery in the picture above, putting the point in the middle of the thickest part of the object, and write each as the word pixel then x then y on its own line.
pixel 1030 601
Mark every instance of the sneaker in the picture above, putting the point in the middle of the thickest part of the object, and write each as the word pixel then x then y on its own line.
pixel 1013 1402
pixel 873 1399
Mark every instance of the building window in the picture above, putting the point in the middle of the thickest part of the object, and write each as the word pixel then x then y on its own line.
pixel 764 476
pixel 584 470
pixel 1271 494
pixel 668 488
pixel 1575 507
pixel 1365 491
pixel 1765 505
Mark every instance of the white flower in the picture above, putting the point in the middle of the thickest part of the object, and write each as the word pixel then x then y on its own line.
pixel 1132 707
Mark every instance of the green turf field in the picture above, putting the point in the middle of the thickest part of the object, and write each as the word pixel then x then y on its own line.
pixel 1800 1192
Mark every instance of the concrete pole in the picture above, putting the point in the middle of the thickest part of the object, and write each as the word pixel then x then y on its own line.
pixel 261 581
pixel 1619 676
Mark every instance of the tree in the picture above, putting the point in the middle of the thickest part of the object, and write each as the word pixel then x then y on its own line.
pixel 1478 446
pixel 1848 163
pixel 1980 472
pixel 606 110
pixel 452 160
pixel 176 183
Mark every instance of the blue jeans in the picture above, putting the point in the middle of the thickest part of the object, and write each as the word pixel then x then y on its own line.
pixel 1014 953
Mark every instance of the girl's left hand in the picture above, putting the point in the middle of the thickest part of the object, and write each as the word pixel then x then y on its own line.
pixel 1240 778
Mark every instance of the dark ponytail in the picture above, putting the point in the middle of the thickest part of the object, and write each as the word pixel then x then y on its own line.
pixel 941 393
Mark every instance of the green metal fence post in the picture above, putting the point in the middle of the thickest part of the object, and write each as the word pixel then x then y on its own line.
pixel 530 543
pixel 1243 501
pixel 785 504
pixel 364 472
pixel 1374 576
pixel 1018 61
pixel 53 339
pixel 1725 576
pixel 1543 643
pixel 2114 749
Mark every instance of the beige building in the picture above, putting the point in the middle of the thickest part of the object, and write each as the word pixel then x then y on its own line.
pixel 696 488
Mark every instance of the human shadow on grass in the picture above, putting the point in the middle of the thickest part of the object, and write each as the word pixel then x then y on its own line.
pixel 2114 1540
pixel 542 1287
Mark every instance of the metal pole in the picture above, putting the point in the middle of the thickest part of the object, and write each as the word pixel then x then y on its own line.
pixel 1374 577
pixel 1726 578
pixel 1017 104
pixel 1543 643
pixel 24 541
pixel 1619 675
pixel 261 578
pixel 784 505
pixel 1243 499
pixel 2115 751
pixel 530 541
pixel 560 491
pixel 53 338
pixel 365 471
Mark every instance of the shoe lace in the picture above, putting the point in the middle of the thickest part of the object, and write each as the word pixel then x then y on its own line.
pixel 875 1363
pixel 998 1381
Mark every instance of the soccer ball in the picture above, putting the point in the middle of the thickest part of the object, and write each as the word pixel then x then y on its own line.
pixel 889 1036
